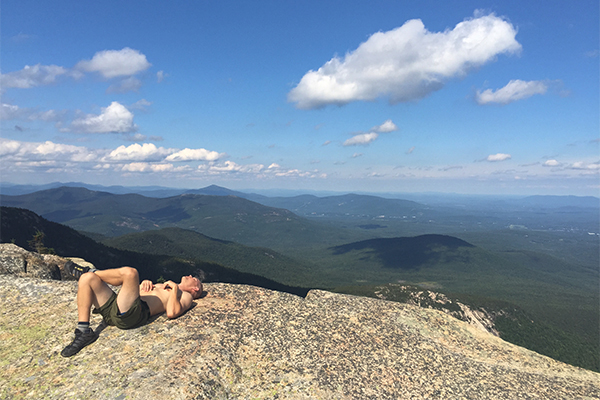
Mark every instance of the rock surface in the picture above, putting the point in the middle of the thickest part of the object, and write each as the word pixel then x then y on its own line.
pixel 244 342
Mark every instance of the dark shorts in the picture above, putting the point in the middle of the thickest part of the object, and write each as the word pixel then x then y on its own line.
pixel 137 315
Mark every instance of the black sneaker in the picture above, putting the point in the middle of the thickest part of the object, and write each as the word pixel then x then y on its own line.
pixel 81 340
pixel 75 269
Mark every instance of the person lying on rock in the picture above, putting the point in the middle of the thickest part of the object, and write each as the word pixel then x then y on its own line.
pixel 132 307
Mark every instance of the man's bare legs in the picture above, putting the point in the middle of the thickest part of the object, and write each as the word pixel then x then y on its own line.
pixel 93 289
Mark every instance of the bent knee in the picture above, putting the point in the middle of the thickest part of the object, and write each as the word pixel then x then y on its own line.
pixel 129 272
pixel 88 277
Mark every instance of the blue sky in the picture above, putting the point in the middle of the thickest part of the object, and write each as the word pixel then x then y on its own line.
pixel 487 97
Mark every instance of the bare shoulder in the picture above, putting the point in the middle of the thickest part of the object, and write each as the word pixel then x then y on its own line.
pixel 186 299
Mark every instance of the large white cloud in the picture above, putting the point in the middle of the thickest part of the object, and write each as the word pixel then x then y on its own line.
pixel 513 91
pixel 406 63
pixel 231 167
pixel 114 118
pixel 113 63
pixel 31 76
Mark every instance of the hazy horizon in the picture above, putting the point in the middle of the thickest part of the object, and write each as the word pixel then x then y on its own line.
pixel 282 192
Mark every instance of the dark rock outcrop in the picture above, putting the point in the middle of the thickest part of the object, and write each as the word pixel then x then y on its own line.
pixel 20 262
pixel 244 342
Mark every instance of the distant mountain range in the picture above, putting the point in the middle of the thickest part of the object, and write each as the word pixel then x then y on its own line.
pixel 299 201
pixel 225 217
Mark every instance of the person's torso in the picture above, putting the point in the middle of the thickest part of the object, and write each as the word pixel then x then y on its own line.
pixel 156 298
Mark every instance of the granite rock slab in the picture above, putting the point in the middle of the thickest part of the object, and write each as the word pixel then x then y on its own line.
pixel 245 342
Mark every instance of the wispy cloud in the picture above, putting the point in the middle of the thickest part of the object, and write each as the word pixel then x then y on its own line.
pixel 12 112
pixel 451 167
pixel 364 138
pixel 141 105
pixel 32 76
pixel 515 90
pixel 130 84
pixel 361 139
pixel 148 167
pixel 406 63
pixel 22 37
pixel 586 166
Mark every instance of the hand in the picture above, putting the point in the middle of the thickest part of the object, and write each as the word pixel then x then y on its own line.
pixel 171 285
pixel 147 286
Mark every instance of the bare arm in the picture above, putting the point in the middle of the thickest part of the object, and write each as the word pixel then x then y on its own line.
pixel 178 301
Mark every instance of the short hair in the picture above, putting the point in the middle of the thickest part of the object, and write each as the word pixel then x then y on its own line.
pixel 198 293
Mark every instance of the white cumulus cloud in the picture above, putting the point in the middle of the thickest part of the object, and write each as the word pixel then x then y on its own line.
pixel 114 118
pixel 406 63
pixel 513 91
pixel 498 157
pixel 113 63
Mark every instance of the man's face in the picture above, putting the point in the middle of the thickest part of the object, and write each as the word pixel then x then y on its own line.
pixel 189 283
